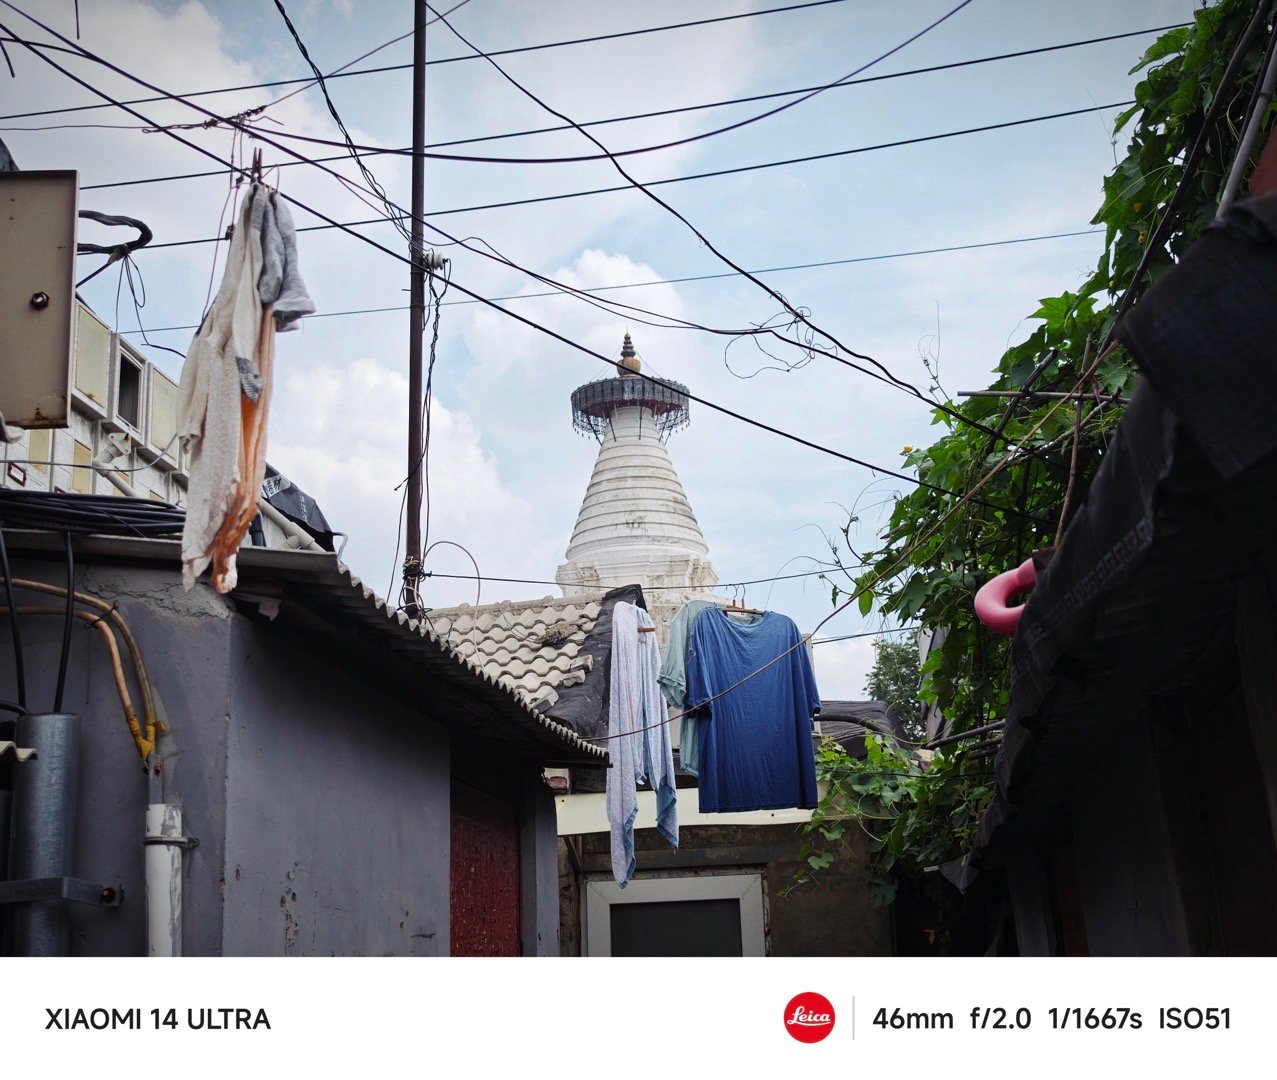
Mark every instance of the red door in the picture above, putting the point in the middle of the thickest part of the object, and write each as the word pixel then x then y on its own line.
pixel 485 875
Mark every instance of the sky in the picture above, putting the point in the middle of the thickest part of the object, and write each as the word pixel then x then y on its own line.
pixel 507 472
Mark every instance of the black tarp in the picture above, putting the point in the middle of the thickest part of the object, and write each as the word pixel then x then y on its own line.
pixel 297 506
pixel 848 722
pixel 584 707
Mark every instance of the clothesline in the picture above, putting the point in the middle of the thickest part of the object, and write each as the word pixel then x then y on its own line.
pixel 881 575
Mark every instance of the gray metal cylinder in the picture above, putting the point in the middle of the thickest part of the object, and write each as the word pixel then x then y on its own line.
pixel 42 829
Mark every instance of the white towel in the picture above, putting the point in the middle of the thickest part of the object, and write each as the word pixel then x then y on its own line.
pixel 209 395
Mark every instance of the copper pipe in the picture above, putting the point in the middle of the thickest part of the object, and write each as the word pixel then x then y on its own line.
pixel 144 745
pixel 139 666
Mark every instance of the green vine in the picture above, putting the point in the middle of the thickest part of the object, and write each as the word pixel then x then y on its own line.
pixel 918 814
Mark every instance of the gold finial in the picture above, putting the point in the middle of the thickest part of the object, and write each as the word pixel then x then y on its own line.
pixel 629 359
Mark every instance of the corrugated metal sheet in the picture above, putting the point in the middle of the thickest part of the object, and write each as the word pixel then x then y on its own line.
pixel 18 753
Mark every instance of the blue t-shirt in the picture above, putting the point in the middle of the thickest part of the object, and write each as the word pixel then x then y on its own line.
pixel 755 747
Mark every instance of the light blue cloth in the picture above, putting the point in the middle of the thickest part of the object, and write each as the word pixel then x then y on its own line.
pixel 639 738
pixel 674 682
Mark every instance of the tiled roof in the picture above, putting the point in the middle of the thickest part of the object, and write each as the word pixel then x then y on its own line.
pixel 532 647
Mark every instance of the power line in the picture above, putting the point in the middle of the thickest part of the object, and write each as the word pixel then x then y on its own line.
pixel 695 277
pixel 439 61
pixel 808 347
pixel 646 588
pixel 532 324
pixel 865 634
pixel 690 176
pixel 613 155
pixel 659 112
pixel 797 314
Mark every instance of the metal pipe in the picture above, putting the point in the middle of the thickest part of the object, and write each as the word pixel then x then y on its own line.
pixel 1263 95
pixel 971 734
pixel 163 880
pixel 42 834
pixel 297 536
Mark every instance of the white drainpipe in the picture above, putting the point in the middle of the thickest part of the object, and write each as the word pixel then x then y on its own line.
pixel 164 845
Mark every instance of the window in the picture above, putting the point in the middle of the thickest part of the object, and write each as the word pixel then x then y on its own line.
pixel 705 915
pixel 128 399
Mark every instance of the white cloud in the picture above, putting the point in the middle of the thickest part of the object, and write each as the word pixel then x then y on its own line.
pixel 842 668
pixel 339 432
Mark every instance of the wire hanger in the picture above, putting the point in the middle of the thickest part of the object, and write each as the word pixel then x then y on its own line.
pixel 737 606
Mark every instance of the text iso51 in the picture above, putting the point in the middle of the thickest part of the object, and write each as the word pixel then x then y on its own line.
pixel 1173 1018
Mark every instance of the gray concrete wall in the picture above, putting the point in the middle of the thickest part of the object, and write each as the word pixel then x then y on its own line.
pixel 337 820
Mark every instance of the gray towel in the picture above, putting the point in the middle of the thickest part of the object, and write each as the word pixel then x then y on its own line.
pixel 280 282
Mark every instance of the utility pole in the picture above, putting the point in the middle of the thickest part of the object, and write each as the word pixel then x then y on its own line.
pixel 417 312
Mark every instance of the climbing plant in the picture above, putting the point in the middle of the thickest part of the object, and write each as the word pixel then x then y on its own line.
pixel 920 814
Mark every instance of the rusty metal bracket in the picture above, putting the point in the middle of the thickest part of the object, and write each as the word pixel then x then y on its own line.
pixel 75 890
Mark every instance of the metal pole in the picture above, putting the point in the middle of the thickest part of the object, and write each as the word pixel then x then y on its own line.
pixel 42 833
pixel 417 306
pixel 1264 94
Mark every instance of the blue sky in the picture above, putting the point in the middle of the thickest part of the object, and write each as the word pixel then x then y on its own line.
pixel 508 473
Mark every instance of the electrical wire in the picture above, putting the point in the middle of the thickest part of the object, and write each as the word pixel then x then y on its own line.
pixel 442 60
pixel 689 278
pixel 610 155
pixel 81 514
pixel 172 178
pixel 807 346
pixel 877 469
pixel 111 613
pixel 396 214
pixel 349 63
pixel 686 178
pixel 15 627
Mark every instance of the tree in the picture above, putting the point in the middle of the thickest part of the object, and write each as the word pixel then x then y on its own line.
pixel 894 680
pixel 936 552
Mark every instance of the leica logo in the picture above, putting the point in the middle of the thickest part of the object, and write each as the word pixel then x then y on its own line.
pixel 809 1017
pixel 802 1016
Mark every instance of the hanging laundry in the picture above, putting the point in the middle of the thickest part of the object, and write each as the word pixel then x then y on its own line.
pixel 224 397
pixel 639 737
pixel 674 682
pixel 756 740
